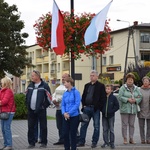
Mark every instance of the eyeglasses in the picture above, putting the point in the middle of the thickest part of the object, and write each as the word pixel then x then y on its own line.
pixel 37 73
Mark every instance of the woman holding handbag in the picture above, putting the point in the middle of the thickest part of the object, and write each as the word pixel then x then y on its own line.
pixel 7 105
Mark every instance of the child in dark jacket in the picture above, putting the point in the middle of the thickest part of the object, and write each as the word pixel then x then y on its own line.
pixel 111 105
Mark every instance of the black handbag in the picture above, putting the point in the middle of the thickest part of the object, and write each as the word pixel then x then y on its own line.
pixel 83 118
pixel 4 115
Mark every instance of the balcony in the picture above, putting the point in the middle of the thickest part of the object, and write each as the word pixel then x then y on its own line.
pixel 53 71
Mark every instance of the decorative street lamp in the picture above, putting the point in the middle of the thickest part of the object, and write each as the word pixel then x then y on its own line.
pixel 73 37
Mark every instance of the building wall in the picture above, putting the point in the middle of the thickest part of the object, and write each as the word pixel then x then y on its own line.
pixel 52 67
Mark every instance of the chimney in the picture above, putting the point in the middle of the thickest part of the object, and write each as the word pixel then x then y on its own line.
pixel 135 23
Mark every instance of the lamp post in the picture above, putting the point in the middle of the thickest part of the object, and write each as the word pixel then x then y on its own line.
pixel 130 33
pixel 73 37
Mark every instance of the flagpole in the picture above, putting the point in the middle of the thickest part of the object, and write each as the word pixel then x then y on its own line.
pixel 73 42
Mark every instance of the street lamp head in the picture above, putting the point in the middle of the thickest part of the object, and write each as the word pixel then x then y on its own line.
pixel 124 21
pixel 118 20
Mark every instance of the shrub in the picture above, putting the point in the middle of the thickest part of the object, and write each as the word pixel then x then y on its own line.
pixel 148 74
pixel 140 70
pixel 21 109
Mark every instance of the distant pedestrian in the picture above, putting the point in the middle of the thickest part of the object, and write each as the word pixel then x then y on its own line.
pixel 7 104
pixel 70 110
pixel 111 105
pixel 144 114
pixel 37 100
pixel 129 96
pixel 93 98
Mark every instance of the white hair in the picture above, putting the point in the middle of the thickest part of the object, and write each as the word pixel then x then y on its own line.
pixel 95 72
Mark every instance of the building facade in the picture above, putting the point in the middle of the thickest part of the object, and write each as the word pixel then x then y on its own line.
pixel 128 45
pixel 134 39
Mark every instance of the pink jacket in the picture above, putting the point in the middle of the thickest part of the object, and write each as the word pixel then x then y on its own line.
pixel 7 100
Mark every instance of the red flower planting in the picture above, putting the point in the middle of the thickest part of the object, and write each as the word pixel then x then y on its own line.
pixel 74 29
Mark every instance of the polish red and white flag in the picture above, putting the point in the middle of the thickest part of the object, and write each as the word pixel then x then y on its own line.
pixel 57 38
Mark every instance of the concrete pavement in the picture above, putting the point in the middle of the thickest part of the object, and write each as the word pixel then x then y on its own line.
pixel 19 132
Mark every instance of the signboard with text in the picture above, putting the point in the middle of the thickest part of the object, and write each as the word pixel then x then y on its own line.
pixel 116 68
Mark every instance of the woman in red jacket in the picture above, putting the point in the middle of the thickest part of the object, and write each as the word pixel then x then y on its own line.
pixel 7 104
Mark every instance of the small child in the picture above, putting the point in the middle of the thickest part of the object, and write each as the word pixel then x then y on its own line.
pixel 111 105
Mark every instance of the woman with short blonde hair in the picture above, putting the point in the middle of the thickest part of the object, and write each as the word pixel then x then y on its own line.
pixel 7 104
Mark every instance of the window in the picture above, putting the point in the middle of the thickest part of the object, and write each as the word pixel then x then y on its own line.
pixel 58 69
pixel 111 60
pixel 104 61
pixel 111 41
pixel 145 56
pixel 145 37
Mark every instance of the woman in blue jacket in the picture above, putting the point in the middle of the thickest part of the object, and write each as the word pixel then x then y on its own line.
pixel 70 110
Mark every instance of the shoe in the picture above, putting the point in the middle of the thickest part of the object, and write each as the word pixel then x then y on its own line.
pixel 112 146
pixel 31 146
pixel 131 141
pixel 125 141
pixel 143 142
pixel 2 148
pixel 148 142
pixel 8 148
pixel 43 146
pixel 104 145
pixel 39 141
pixel 93 145
pixel 58 143
pixel 80 145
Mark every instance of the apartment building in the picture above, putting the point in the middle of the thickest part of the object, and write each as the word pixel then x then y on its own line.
pixel 127 45
pixel 52 67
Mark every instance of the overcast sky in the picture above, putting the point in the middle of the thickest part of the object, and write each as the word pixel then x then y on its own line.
pixel 127 10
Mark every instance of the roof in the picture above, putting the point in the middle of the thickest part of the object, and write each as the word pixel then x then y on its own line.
pixel 139 26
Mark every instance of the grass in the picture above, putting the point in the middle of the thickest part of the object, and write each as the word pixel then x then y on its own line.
pixel 51 118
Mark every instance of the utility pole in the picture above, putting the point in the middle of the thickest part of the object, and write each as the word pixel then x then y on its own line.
pixel 130 33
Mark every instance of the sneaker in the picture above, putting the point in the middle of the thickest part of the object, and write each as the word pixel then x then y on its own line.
pixel 31 146
pixel 8 148
pixel 2 148
pixel 93 145
pixel 104 145
pixel 112 146
pixel 43 146
pixel 80 145
pixel 58 143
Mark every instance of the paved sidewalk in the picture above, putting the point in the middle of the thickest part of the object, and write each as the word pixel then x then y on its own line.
pixel 19 131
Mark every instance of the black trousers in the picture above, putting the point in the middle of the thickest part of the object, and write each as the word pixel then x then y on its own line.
pixel 32 120
pixel 59 123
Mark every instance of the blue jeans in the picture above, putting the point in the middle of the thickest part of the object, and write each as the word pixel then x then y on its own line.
pixel 108 130
pixel 6 130
pixel 70 132
pixel 59 123
pixel 96 123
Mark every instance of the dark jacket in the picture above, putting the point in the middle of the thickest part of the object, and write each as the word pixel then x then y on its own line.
pixel 42 101
pixel 111 105
pixel 99 95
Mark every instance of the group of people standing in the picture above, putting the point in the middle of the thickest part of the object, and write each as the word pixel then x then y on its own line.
pixel 96 98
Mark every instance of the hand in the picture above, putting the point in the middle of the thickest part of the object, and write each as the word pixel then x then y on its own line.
pixel 131 100
pixel 55 103
pixel 66 115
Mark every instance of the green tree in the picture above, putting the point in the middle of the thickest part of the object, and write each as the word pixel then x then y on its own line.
pixel 12 48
